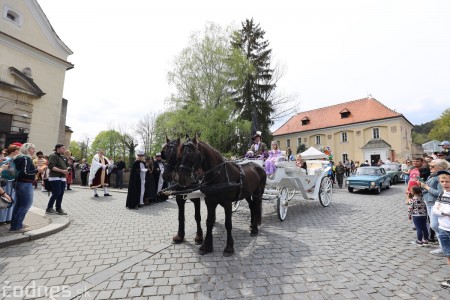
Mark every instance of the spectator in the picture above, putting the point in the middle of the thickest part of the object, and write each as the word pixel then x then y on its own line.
pixel 59 168
pixel 340 170
pixel 431 191
pixel 443 155
pixel 414 175
pixel 418 212
pixel 111 169
pixel 365 164
pixel 98 174
pixel 24 186
pixel 136 186
pixel 348 167
pixel 119 168
pixel 84 172
pixel 150 188
pixel 6 214
pixel 406 170
pixel 442 209
pixel 39 161
pixel 69 160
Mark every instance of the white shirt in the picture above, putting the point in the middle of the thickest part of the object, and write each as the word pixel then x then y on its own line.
pixel 442 205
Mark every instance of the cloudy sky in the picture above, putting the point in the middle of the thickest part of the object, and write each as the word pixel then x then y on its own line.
pixel 333 51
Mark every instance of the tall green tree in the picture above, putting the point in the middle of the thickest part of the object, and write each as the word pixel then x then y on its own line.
pixel 441 129
pixel 110 141
pixel 75 149
pixel 251 90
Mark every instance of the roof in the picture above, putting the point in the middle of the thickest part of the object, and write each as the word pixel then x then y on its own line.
pixel 356 111
pixel 376 144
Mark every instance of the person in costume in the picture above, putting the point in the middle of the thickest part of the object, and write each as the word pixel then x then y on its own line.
pixel 98 174
pixel 258 148
pixel 136 185
pixel 274 155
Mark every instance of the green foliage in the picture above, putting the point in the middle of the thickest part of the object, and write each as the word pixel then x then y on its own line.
pixel 441 130
pixel 76 150
pixel 419 138
pixel 110 141
pixel 424 128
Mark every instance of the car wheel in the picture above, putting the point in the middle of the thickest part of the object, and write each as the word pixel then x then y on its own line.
pixel 350 189
pixel 388 185
pixel 395 180
pixel 378 190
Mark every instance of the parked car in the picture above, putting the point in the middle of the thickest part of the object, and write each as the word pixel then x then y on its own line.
pixel 369 178
pixel 395 171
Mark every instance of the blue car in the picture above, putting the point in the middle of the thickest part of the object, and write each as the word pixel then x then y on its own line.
pixel 369 178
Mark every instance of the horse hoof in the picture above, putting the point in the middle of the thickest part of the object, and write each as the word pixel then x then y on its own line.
pixel 177 239
pixel 227 254
pixel 253 233
pixel 203 252
pixel 198 241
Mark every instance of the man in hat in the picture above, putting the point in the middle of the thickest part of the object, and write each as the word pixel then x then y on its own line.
pixel 258 148
pixel 98 176
pixel 136 185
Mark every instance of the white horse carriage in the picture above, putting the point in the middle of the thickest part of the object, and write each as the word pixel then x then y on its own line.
pixel 290 180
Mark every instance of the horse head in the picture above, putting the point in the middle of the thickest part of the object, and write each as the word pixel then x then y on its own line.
pixel 189 158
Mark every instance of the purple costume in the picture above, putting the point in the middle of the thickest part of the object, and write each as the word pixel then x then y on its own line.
pixel 270 162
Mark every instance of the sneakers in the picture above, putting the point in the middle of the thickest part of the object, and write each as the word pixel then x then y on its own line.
pixel 432 241
pixel 437 252
pixel 96 196
pixel 50 211
pixel 61 212
pixel 425 243
pixel 107 195
pixel 419 243
pixel 445 284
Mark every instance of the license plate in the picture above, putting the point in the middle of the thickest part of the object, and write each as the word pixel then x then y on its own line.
pixel 359 187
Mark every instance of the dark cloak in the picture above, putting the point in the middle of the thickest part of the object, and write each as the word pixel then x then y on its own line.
pixel 134 185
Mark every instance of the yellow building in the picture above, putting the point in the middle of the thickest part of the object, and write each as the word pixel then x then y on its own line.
pixel 33 64
pixel 358 130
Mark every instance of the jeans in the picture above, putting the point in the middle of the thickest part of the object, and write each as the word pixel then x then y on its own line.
pixel 421 227
pixel 24 200
pixel 119 179
pixel 58 187
pixel 433 220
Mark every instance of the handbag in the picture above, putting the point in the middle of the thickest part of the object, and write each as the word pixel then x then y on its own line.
pixel 5 203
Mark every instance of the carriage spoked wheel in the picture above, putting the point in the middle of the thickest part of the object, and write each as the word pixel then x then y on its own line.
pixel 291 194
pixel 235 205
pixel 326 191
pixel 282 204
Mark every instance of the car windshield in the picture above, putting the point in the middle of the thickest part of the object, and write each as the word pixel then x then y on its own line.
pixel 391 167
pixel 367 171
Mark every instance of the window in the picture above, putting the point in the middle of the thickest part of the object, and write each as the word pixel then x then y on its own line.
pixel 288 142
pixel 299 141
pixel 344 137
pixel 376 133
pixel 305 121
pixel 345 113
pixel 318 140
pixel 12 16
pixel 344 157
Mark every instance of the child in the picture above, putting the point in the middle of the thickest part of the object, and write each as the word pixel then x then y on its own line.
pixel 441 208
pixel 418 211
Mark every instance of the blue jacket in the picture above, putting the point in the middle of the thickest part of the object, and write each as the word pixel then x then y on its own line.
pixel 435 190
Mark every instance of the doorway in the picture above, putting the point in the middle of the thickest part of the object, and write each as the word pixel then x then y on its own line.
pixel 374 159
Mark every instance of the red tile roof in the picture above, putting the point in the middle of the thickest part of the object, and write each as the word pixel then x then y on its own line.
pixel 362 110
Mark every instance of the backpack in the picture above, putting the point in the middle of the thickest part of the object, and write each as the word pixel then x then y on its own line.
pixel 11 173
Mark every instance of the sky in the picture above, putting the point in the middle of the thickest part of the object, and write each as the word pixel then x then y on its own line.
pixel 332 52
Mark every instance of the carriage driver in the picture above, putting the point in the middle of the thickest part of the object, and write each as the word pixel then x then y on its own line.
pixel 258 148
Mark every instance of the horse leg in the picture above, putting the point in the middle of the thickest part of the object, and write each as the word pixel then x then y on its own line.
pixel 179 238
pixel 207 245
pixel 229 249
pixel 198 218
pixel 253 205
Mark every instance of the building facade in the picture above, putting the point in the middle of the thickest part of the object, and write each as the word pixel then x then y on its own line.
pixel 33 65
pixel 358 130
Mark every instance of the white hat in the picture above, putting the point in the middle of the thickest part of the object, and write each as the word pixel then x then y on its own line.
pixel 444 143
pixel 140 153
pixel 158 154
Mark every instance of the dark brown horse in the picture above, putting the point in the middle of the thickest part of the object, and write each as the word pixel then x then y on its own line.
pixel 170 152
pixel 222 182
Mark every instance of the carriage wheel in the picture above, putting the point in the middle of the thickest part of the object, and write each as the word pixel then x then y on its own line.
pixel 235 205
pixel 282 204
pixel 326 191
pixel 291 194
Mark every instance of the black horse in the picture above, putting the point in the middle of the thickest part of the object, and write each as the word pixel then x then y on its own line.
pixel 222 182
pixel 170 152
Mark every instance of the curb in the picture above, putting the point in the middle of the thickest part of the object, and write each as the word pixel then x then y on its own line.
pixel 57 224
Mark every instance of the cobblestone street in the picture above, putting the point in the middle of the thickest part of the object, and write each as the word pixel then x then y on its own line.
pixel 358 247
